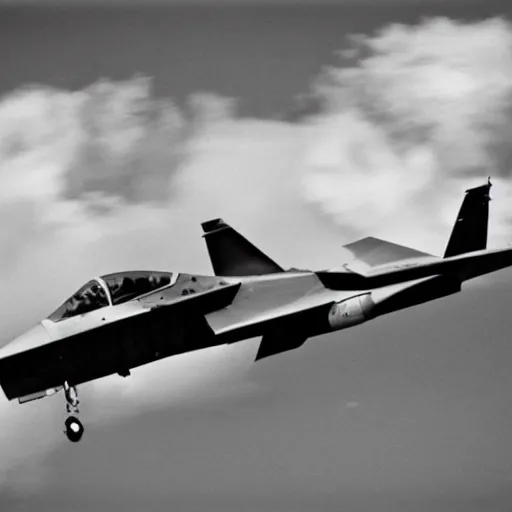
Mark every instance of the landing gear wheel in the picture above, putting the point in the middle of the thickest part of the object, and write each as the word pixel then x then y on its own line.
pixel 74 429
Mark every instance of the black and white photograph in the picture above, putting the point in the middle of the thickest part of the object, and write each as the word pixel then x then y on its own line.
pixel 255 255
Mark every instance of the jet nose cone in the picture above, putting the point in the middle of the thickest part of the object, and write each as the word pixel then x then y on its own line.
pixel 34 337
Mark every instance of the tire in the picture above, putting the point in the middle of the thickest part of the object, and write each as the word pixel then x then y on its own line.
pixel 74 429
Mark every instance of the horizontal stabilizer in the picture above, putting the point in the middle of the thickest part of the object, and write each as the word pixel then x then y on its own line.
pixel 372 252
pixel 232 254
pixel 462 267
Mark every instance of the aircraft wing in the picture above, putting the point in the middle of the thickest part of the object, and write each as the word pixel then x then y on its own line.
pixel 372 252
pixel 283 326
pixel 238 321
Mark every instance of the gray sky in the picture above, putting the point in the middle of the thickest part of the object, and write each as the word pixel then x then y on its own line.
pixel 410 412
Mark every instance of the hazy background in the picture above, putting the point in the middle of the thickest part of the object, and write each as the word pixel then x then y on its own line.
pixel 121 129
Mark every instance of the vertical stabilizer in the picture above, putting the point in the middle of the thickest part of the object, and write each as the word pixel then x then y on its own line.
pixel 232 254
pixel 470 230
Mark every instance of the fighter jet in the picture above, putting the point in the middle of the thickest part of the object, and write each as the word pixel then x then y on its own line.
pixel 123 320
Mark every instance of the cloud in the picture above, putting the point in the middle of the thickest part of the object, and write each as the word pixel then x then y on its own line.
pixel 69 217
pixel 87 187
pixel 130 146
pixel 110 140
pixel 421 113
pixel 109 177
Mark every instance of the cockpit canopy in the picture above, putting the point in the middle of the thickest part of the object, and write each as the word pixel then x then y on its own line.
pixel 111 289
pixel 124 286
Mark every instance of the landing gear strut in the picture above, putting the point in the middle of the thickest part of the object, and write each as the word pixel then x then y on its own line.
pixel 74 429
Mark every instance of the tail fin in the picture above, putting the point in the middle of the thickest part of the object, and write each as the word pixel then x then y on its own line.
pixel 470 230
pixel 232 254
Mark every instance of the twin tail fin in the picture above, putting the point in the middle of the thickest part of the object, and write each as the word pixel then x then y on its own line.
pixel 231 254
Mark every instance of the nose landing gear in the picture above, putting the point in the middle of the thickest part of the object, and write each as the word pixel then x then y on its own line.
pixel 74 429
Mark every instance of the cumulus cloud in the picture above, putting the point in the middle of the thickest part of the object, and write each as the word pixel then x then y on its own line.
pixel 109 177
pixel 87 188
pixel 420 114
pixel 68 217
pixel 110 140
